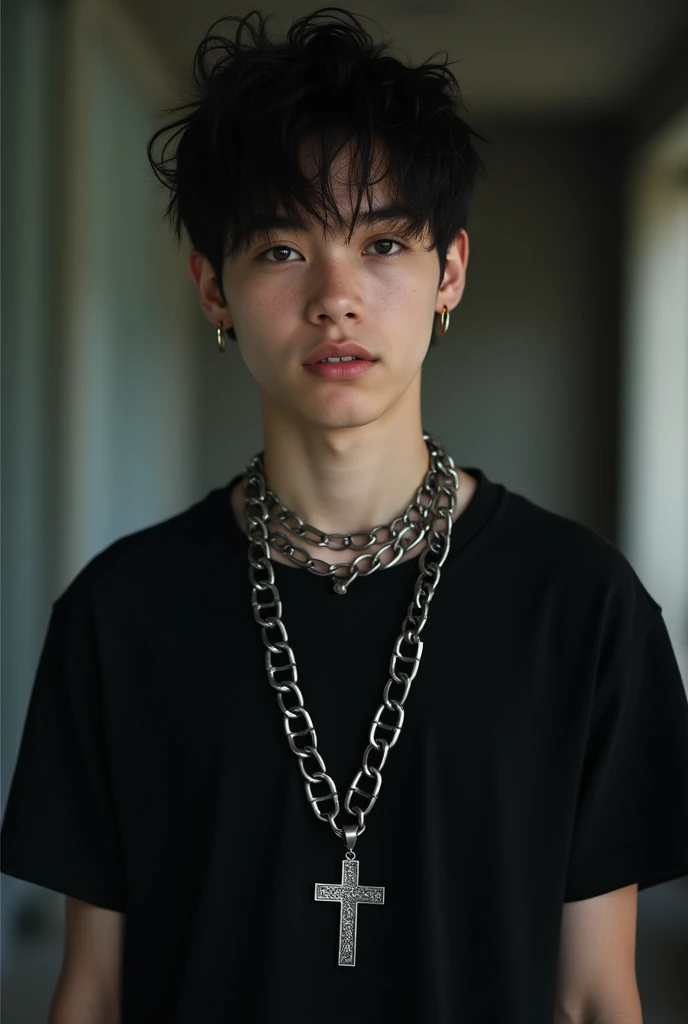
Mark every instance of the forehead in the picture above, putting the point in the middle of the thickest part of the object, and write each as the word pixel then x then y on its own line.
pixel 344 174
pixel 381 202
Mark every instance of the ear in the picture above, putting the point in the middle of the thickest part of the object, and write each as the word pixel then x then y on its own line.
pixel 454 280
pixel 209 294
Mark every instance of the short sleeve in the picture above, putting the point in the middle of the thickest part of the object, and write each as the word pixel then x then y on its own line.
pixel 60 829
pixel 631 822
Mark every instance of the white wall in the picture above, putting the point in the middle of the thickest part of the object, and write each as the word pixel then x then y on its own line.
pixel 127 371
pixel 654 521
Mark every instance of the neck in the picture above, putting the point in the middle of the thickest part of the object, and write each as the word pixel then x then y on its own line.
pixel 345 480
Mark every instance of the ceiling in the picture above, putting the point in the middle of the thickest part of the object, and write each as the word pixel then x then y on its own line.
pixel 527 57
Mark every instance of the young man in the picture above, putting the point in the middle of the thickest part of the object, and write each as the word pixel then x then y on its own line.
pixel 351 610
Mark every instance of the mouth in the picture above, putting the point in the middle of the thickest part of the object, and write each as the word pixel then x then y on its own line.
pixel 338 352
pixel 340 369
pixel 344 359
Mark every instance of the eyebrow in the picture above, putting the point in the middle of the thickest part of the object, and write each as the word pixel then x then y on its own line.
pixel 266 223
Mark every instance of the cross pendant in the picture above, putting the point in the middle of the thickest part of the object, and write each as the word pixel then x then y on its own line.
pixel 349 894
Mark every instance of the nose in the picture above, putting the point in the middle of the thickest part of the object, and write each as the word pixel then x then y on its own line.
pixel 335 296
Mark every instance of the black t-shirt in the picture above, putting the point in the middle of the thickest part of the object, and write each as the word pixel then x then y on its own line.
pixel 543 759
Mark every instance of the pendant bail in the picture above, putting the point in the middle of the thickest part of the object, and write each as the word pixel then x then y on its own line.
pixel 351 835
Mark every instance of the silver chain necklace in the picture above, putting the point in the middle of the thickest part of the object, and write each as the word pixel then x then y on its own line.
pixel 416 519
pixel 442 479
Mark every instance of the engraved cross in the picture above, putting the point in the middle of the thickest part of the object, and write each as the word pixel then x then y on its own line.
pixel 349 894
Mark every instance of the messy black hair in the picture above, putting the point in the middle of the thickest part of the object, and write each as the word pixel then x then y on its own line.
pixel 233 155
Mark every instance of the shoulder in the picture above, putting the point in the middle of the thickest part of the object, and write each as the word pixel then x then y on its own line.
pixel 577 551
pixel 145 565
pixel 571 566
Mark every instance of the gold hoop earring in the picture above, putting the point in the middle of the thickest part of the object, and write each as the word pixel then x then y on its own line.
pixel 221 339
pixel 444 320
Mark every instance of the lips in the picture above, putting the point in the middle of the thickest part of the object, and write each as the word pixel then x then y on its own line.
pixel 339 349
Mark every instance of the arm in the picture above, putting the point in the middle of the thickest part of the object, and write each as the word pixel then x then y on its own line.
pixel 596 981
pixel 89 988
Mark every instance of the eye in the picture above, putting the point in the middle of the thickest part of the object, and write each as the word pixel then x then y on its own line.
pixel 281 249
pixel 386 242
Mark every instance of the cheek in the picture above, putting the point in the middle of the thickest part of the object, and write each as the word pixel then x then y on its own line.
pixel 409 286
pixel 260 323
pixel 408 310
pixel 259 307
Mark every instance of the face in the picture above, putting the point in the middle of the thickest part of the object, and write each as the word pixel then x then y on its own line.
pixel 298 289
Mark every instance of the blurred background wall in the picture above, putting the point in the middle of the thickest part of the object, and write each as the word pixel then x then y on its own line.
pixel 565 375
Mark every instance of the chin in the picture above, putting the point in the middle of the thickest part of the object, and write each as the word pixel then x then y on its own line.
pixel 339 415
pixel 334 407
pixel 341 421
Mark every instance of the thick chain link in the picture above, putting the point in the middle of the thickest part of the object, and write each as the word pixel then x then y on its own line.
pixel 404 663
pixel 415 520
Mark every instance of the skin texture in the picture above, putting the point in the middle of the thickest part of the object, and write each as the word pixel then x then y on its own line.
pixel 597 979
pixel 89 988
